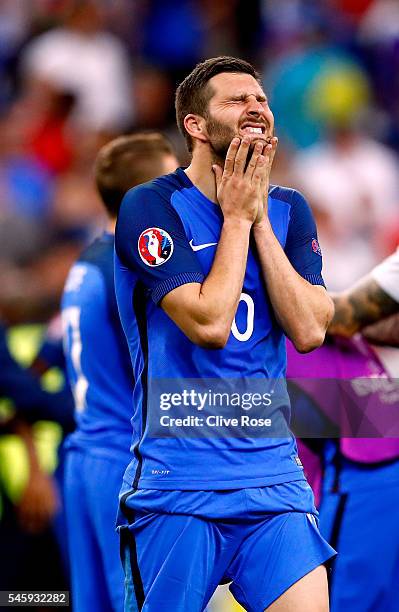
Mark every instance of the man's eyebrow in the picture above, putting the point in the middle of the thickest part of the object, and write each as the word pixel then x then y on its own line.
pixel 242 96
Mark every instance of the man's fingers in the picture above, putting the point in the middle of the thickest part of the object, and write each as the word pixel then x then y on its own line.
pixel 272 147
pixel 259 171
pixel 230 157
pixel 241 156
pixel 258 148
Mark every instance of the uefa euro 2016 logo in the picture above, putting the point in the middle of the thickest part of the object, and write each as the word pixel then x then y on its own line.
pixel 155 246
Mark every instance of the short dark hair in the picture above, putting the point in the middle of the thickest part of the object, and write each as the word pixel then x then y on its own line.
pixel 128 161
pixel 193 94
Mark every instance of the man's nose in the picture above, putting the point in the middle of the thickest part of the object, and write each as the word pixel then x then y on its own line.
pixel 254 107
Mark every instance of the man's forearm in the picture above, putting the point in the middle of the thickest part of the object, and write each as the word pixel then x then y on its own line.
pixel 385 332
pixel 206 315
pixel 221 290
pixel 363 305
pixel 303 310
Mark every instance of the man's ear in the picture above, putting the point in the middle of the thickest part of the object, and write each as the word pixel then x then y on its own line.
pixel 196 127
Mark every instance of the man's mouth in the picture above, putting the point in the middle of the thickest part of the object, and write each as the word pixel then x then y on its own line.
pixel 253 128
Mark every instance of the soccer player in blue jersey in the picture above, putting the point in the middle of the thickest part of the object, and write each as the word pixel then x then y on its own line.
pixel 213 267
pixel 99 369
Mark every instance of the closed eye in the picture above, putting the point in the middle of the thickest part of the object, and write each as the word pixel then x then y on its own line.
pixel 243 98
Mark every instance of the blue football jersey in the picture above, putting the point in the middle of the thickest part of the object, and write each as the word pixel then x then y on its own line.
pixel 97 356
pixel 166 236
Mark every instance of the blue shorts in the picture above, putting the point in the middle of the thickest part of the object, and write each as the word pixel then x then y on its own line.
pixel 358 515
pixel 177 546
pixel 91 486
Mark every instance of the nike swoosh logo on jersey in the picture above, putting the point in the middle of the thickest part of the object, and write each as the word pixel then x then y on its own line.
pixel 199 247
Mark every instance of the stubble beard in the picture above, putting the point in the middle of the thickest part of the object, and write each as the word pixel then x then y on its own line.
pixel 220 137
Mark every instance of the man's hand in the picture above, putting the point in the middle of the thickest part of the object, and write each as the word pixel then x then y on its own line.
pixel 39 501
pixel 38 504
pixel 269 152
pixel 239 189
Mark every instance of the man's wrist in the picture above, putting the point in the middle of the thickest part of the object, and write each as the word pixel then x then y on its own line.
pixel 262 227
pixel 235 223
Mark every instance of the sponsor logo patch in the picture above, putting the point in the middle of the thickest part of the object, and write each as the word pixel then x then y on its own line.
pixel 199 247
pixel 316 247
pixel 155 246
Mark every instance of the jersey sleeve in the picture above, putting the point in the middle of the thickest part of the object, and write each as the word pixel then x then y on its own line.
pixel 150 240
pixel 302 245
pixel 386 274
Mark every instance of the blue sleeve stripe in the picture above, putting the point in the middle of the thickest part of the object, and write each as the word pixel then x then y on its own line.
pixel 314 279
pixel 175 281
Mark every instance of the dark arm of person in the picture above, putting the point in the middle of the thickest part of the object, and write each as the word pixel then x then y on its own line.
pixel 39 500
pixel 50 355
pixel 384 333
pixel 31 401
pixel 362 305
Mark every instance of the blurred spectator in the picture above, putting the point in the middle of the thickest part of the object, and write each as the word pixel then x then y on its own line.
pixel 81 58
pixel 352 183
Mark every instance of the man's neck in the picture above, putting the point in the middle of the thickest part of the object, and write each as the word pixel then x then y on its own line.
pixel 201 174
pixel 111 225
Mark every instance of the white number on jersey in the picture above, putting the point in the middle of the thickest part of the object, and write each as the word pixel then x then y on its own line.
pixel 71 327
pixel 245 335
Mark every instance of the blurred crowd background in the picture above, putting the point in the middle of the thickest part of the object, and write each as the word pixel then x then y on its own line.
pixel 76 73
